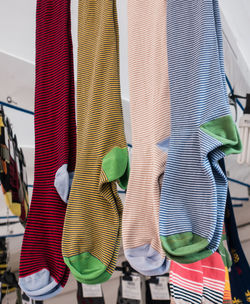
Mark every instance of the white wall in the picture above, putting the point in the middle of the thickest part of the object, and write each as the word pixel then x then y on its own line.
pixel 238 14
pixel 17 59
pixel 17 24
pixel 17 34
pixel 236 24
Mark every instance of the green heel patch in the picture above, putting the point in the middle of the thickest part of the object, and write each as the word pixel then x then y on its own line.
pixel 224 130
pixel 115 165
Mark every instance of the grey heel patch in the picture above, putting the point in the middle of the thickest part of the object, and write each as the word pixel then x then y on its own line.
pixel 164 144
pixel 63 182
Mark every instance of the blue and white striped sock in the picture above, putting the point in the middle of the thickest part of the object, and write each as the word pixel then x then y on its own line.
pixel 194 187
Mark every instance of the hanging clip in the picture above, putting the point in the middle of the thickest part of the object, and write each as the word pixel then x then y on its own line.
pixel 232 102
pixel 2 114
pixel 154 280
pixel 16 149
pixel 15 143
pixel 244 130
pixel 9 128
pixel 10 100
pixel 22 158
pixel 127 269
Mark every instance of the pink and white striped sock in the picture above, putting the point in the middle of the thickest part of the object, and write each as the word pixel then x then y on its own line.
pixel 150 117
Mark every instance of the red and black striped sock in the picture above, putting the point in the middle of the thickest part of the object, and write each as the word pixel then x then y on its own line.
pixel 42 269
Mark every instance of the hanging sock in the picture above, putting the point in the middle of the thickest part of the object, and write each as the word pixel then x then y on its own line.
pixel 53 291
pixel 227 299
pixel 42 270
pixel 3 267
pixel 11 195
pixel 186 283
pixel 150 115
pixel 5 153
pixel 213 279
pixel 18 189
pixel 240 271
pixel 92 229
pixel 202 132
pixel 199 282
pixel 21 165
pixel 11 167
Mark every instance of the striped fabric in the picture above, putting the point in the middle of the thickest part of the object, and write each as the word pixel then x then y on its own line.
pixel 92 226
pixel 186 283
pixel 213 279
pixel 150 115
pixel 42 269
pixel 194 187
pixel 227 298
pixel 199 282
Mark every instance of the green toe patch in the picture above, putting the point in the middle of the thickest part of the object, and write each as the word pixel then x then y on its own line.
pixel 115 165
pixel 224 130
pixel 105 276
pixel 85 267
pixel 185 247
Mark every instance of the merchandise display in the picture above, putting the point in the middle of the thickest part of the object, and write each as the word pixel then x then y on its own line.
pixel 5 288
pixel 130 202
pixel 13 172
